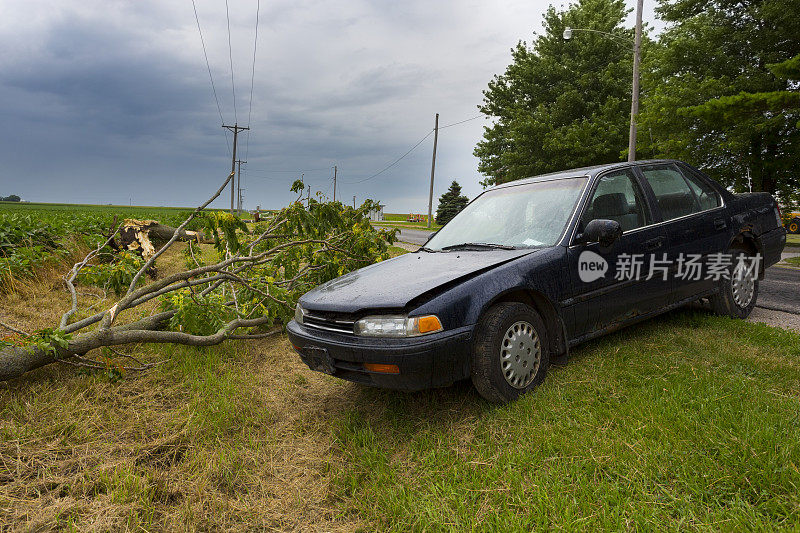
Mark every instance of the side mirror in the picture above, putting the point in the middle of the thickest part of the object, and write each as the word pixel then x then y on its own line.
pixel 605 232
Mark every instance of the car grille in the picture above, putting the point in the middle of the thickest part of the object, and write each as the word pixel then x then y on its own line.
pixel 328 322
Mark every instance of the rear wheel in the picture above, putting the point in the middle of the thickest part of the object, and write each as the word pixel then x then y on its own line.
pixel 510 355
pixel 794 226
pixel 738 294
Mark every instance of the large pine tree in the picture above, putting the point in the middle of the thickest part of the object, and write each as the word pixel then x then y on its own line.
pixel 450 204
pixel 722 91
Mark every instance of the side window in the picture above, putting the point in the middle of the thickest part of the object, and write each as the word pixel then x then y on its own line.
pixel 617 197
pixel 706 195
pixel 674 197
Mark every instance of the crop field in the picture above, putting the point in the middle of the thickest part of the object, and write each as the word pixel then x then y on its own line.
pixel 685 422
pixel 34 236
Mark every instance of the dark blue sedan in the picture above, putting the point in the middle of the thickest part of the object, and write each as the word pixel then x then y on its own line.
pixel 531 268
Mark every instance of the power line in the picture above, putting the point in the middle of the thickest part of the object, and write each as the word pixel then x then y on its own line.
pixel 210 77
pixel 285 178
pixel 460 122
pixel 230 56
pixel 394 162
pixel 270 171
pixel 329 186
pixel 412 149
pixel 252 79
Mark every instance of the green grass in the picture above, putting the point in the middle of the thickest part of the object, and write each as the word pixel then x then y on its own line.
pixel 794 261
pixel 793 240
pixel 395 217
pixel 394 251
pixel 399 220
pixel 416 225
pixel 687 422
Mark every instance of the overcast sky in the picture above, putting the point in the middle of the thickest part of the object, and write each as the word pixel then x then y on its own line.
pixel 110 101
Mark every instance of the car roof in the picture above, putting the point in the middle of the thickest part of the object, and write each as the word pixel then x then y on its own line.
pixel 588 172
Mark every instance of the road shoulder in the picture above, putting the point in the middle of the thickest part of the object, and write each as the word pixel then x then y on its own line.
pixel 778 319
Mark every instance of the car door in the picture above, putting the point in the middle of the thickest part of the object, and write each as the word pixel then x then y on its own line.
pixel 608 286
pixel 695 222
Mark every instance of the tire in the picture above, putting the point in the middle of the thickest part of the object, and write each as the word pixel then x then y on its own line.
pixel 794 226
pixel 502 371
pixel 732 300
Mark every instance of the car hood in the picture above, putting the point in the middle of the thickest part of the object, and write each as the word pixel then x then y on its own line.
pixel 392 284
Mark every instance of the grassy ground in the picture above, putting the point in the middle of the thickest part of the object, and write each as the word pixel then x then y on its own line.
pixel 415 225
pixel 794 261
pixel 688 421
pixel 793 240
pixel 399 220
pixel 394 251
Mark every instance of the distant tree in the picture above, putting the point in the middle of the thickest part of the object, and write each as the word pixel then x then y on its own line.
pixel 12 198
pixel 450 204
pixel 561 103
pixel 723 92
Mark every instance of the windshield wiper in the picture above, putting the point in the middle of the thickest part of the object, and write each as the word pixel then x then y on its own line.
pixel 465 245
pixel 426 249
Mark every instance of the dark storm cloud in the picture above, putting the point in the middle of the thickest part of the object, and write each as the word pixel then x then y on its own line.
pixel 110 101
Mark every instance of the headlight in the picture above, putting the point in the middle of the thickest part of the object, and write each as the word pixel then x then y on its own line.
pixel 397 326
pixel 299 313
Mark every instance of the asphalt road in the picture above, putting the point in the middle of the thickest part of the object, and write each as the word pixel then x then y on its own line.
pixel 780 290
pixel 414 236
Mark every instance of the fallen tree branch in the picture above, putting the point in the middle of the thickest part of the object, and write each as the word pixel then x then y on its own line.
pixel 248 293
pixel 15 330
pixel 70 279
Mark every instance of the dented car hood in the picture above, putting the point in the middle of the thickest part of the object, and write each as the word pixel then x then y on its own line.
pixel 392 284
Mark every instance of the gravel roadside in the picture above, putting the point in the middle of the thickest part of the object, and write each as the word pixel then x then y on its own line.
pixel 778 319
pixel 407 246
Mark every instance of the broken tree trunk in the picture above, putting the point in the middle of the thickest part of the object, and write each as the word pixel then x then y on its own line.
pixel 146 236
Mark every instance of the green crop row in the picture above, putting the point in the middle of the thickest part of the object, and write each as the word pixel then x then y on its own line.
pixel 32 235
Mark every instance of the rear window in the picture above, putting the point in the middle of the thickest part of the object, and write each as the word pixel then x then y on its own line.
pixel 675 198
pixel 706 195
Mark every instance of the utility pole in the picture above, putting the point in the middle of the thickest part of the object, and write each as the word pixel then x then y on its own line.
pixel 354 202
pixel 335 170
pixel 637 53
pixel 235 129
pixel 433 168
pixel 239 188
pixel 308 199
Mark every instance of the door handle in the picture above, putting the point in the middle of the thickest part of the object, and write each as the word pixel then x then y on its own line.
pixel 719 223
pixel 652 244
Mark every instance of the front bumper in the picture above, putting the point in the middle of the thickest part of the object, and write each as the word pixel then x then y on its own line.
pixel 425 362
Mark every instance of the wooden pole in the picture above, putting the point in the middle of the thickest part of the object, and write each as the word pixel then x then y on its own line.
pixel 433 168
pixel 637 52
pixel 235 129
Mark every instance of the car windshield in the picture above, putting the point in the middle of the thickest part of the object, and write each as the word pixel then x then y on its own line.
pixel 522 216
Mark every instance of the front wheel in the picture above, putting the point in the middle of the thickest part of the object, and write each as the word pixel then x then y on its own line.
pixel 510 355
pixel 738 294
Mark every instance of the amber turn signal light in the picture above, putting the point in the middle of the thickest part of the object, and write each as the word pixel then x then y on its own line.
pixel 428 324
pixel 382 368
